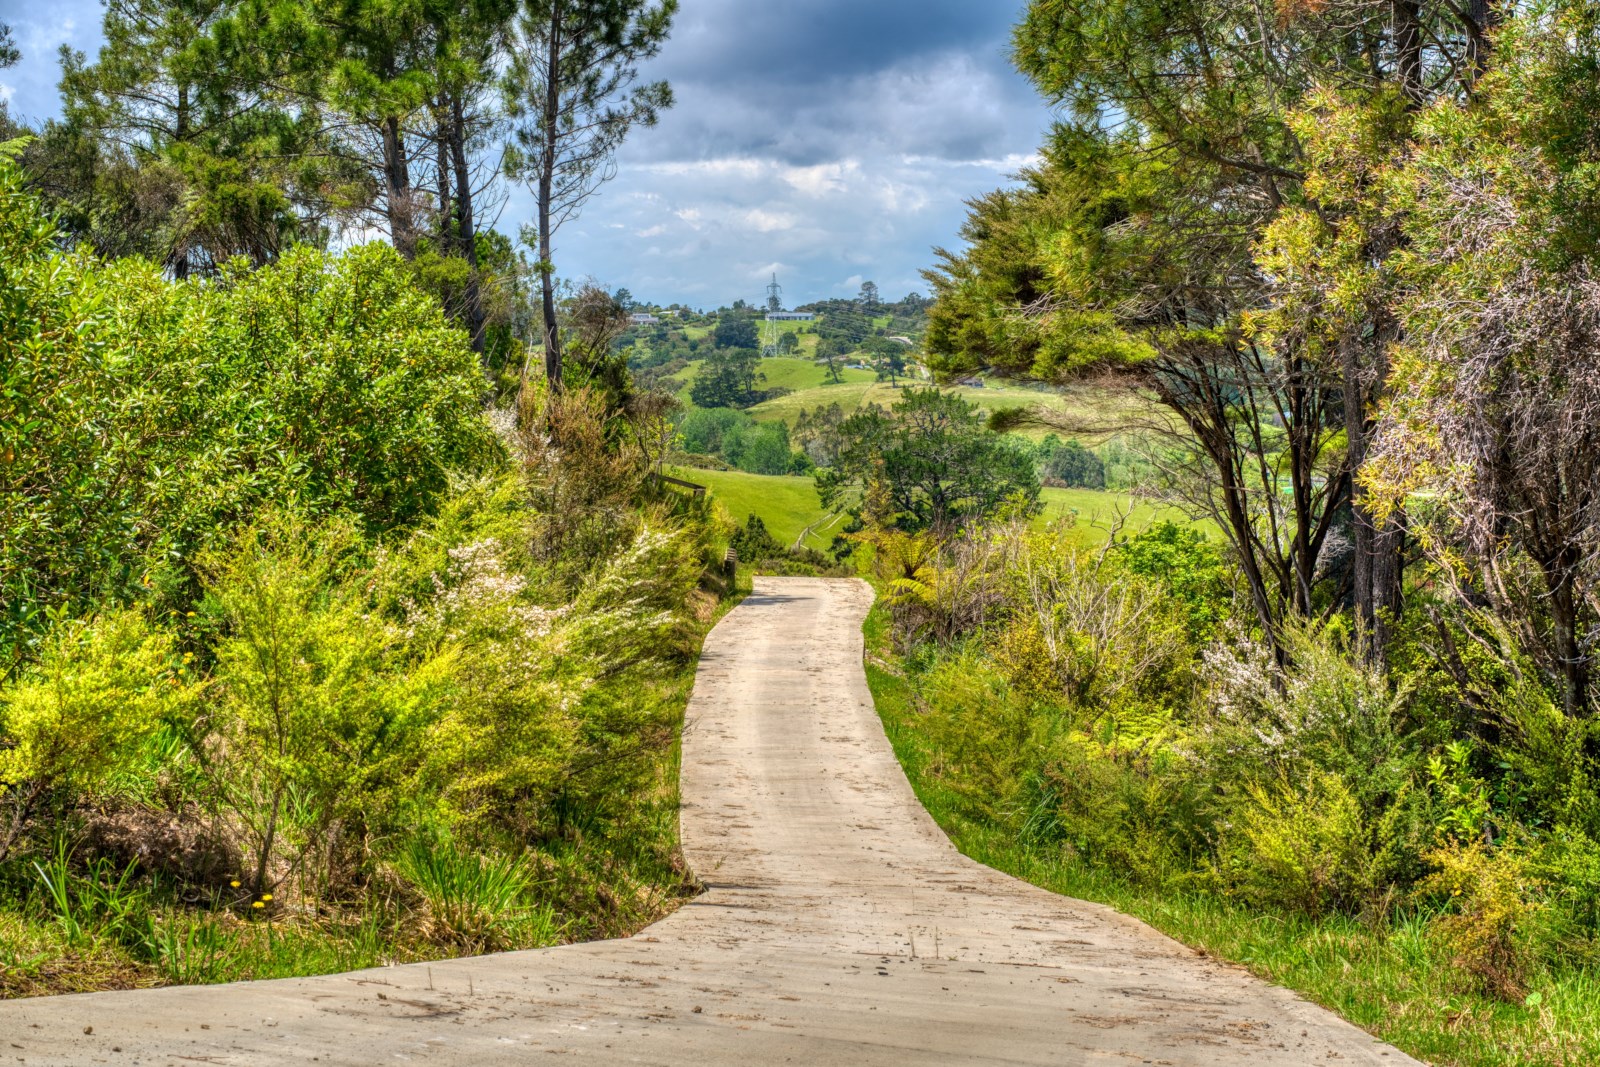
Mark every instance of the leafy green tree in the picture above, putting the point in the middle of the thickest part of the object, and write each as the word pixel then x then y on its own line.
pixel 1491 441
pixel 817 433
pixel 705 428
pixel 1071 464
pixel 736 331
pixel 376 63
pixel 728 378
pixel 754 542
pixel 1135 246
pixel 933 461
pixel 571 96
pixel 830 352
pixel 760 448
pixel 888 357
pixel 1191 568
pixel 788 344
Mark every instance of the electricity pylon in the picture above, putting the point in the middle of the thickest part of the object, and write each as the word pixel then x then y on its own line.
pixel 769 329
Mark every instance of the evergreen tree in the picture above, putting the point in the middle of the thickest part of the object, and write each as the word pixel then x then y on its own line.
pixel 9 54
pixel 570 93
pixel 247 170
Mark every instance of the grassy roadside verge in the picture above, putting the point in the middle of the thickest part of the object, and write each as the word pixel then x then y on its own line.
pixel 1388 976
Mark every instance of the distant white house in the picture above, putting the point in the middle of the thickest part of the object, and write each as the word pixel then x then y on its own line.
pixel 791 316
pixel 643 318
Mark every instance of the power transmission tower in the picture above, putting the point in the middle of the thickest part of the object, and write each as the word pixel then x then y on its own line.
pixel 769 329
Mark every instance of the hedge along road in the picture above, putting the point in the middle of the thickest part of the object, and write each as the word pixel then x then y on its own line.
pixel 839 926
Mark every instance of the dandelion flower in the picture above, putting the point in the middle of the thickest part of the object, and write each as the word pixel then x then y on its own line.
pixel 188 614
pixel 266 896
pixel 258 904
pixel 234 884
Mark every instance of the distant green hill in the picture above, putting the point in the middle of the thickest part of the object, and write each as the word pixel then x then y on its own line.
pixel 810 389
pixel 787 505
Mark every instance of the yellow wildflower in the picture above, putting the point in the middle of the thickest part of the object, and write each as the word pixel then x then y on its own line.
pixel 258 904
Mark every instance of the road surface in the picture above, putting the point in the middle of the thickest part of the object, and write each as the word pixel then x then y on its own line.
pixel 839 926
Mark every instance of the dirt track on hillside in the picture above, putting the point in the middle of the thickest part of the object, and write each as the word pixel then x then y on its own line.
pixel 839 926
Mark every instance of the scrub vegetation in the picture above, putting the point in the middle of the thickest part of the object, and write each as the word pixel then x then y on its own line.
pixel 311 662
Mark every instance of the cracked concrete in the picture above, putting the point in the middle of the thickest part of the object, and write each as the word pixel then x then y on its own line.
pixel 839 927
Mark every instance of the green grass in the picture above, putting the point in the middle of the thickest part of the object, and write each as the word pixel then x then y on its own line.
pixel 791 372
pixel 1389 977
pixel 861 388
pixel 1095 511
pixel 1079 412
pixel 789 504
pixel 786 504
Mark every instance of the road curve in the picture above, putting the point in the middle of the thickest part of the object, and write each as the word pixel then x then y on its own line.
pixel 839 926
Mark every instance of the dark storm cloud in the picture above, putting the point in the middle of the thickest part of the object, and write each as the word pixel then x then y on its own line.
pixel 806 82
pixel 827 140
pixel 738 43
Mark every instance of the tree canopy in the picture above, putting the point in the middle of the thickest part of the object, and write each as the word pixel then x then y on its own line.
pixel 928 463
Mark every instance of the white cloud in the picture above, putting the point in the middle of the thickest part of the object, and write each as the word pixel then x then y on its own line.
pixel 762 221
pixel 708 168
pixel 822 179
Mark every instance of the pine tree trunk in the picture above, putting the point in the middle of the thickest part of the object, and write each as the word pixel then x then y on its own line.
pixel 397 190
pixel 442 177
pixel 547 170
pixel 1406 26
pixel 465 232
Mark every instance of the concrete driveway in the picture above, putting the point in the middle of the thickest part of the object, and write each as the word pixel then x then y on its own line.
pixel 839 927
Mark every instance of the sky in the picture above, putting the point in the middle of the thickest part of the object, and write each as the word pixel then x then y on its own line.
pixel 827 141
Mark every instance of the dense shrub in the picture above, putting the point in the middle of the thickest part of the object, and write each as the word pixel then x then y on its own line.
pixel 69 722
pixel 141 419
pixel 1190 567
